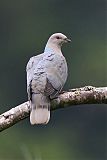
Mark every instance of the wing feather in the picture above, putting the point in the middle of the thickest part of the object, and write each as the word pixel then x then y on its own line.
pixel 30 71
pixel 53 83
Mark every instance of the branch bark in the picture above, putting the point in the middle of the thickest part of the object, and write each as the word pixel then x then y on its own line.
pixel 78 96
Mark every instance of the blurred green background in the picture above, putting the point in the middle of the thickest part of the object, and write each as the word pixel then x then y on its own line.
pixel 75 133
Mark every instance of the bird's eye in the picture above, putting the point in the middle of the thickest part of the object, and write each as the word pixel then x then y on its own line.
pixel 57 37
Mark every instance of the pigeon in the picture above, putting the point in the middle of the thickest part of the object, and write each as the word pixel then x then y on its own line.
pixel 46 76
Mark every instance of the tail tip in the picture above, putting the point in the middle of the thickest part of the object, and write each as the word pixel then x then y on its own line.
pixel 39 116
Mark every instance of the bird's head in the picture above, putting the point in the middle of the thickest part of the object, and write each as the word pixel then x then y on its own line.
pixel 58 39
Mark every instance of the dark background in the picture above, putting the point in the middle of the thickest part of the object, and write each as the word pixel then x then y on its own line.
pixel 75 133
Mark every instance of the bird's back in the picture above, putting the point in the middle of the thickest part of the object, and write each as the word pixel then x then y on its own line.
pixel 53 67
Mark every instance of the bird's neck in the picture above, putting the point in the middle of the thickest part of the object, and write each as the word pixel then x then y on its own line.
pixel 53 48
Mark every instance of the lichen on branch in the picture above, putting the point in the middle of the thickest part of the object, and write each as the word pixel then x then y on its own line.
pixel 84 95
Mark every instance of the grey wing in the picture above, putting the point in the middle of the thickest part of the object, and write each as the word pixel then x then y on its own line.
pixel 54 83
pixel 51 91
pixel 32 63
pixel 56 77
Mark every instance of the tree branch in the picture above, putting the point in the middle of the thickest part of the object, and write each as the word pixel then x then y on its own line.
pixel 85 95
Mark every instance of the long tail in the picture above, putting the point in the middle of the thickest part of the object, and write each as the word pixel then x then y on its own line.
pixel 40 109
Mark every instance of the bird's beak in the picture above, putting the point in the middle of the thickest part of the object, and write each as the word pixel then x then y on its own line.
pixel 67 40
